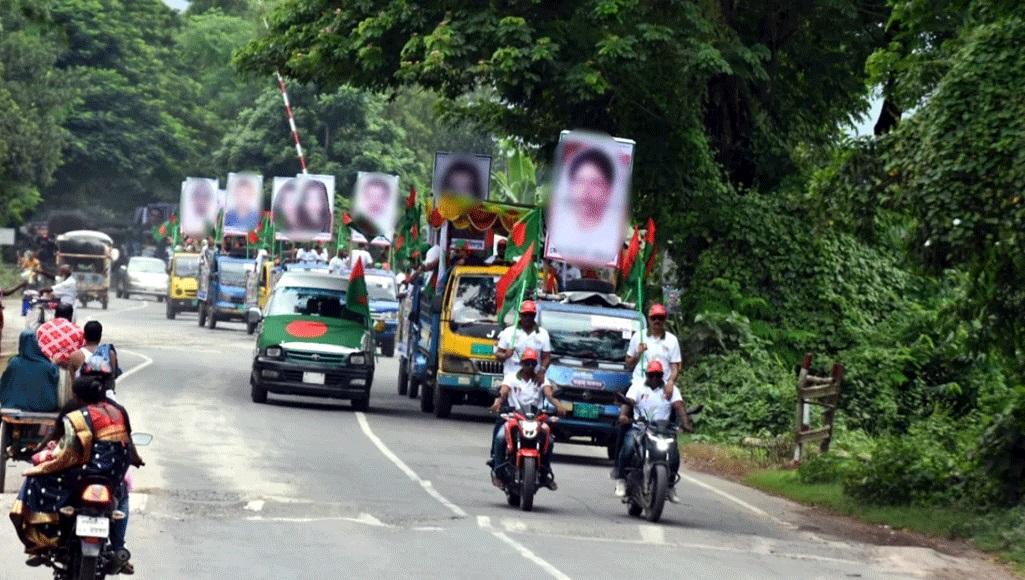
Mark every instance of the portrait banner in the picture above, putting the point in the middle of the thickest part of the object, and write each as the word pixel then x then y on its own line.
pixel 314 216
pixel 198 207
pixel 461 175
pixel 375 198
pixel 284 206
pixel 590 201
pixel 243 203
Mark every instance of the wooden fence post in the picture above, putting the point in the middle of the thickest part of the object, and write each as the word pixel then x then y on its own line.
pixel 821 391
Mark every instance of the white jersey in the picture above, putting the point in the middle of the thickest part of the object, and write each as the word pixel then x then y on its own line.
pixel 665 350
pixel 651 403
pixel 523 392
pixel 516 338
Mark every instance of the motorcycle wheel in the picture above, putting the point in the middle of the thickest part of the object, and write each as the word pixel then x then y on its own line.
pixel 528 483
pixel 634 510
pixel 403 377
pixel 514 500
pixel 657 494
pixel 250 327
pixel 87 567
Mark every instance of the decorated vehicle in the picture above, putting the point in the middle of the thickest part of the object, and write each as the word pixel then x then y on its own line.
pixel 309 343
pixel 384 307
pixel 87 252
pixel 183 284
pixel 589 344
pixel 222 289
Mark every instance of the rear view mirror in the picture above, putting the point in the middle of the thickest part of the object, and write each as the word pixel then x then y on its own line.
pixel 437 304
pixel 141 439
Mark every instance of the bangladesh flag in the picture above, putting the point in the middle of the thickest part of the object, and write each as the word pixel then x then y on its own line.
pixel 516 283
pixel 356 297
pixel 525 233
pixel 641 265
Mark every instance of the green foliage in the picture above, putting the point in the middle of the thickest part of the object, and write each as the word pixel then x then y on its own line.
pixel 1001 452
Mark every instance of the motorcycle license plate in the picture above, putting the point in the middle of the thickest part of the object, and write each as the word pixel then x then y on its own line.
pixel 313 378
pixel 87 527
pixel 586 410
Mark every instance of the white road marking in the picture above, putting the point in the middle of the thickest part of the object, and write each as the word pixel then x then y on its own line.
pixel 483 521
pixel 652 534
pixel 146 362
pixel 255 505
pixel 738 501
pixel 485 524
pixel 365 427
pixel 365 519
pixel 514 526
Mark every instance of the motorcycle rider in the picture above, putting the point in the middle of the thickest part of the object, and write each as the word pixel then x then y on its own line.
pixel 66 287
pixel 524 387
pixel 647 400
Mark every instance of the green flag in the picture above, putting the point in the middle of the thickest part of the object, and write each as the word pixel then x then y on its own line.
pixel 525 232
pixel 357 299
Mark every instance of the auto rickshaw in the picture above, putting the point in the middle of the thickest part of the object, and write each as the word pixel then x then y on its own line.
pixel 184 281
pixel 88 254
pixel 258 288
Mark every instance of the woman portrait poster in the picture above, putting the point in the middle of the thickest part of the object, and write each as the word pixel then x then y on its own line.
pixel 462 174
pixel 305 207
pixel 590 200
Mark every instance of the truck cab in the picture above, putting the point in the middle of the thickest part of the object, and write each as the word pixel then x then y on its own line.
pixel 449 351
pixel 222 289
pixel 590 335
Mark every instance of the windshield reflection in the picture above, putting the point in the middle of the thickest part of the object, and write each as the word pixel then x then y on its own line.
pixel 474 300
pixel 589 336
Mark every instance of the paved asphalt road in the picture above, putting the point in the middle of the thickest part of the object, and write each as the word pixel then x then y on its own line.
pixel 306 488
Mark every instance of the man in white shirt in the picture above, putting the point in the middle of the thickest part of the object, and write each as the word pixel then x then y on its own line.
pixel 521 389
pixel 359 252
pixel 430 265
pixel 66 288
pixel 322 255
pixel 657 344
pixel 647 401
pixel 514 340
pixel 336 264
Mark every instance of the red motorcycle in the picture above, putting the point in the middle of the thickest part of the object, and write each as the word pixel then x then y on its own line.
pixel 527 439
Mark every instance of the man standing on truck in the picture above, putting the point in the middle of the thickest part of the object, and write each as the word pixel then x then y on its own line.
pixel 657 344
pixel 514 340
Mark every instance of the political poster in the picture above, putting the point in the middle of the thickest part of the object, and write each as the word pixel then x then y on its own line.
pixel 243 203
pixel 284 206
pixel 590 200
pixel 461 174
pixel 198 206
pixel 376 200
pixel 309 207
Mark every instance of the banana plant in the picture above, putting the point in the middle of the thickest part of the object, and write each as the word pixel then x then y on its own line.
pixel 519 182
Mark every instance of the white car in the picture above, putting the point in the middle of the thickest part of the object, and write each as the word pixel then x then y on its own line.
pixel 145 276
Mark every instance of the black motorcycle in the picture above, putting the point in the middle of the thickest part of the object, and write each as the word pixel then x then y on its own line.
pixel 84 551
pixel 647 475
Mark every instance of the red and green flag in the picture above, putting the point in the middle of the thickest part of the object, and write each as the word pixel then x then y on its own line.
pixel 526 232
pixel 357 299
pixel 170 228
pixel 219 228
pixel 641 262
pixel 516 283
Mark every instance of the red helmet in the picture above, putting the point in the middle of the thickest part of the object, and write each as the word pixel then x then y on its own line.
pixel 657 310
pixel 528 306
pixel 529 354
pixel 655 367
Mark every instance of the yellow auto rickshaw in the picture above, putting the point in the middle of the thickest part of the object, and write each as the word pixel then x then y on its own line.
pixel 182 284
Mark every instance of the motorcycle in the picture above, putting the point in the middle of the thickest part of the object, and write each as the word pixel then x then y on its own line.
pixel 647 476
pixel 40 309
pixel 84 551
pixel 521 474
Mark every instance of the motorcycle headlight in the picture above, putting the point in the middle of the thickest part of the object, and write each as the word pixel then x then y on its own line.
pixel 358 359
pixel 662 444
pixel 273 351
pixel 528 429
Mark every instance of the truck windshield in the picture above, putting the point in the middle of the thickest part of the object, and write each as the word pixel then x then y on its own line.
pixel 186 267
pixel 589 336
pixel 309 302
pixel 381 288
pixel 474 300
pixel 234 273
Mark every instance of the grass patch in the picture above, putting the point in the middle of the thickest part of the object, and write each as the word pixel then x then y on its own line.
pixel 1003 533
pixel 723 460
pixel 10 275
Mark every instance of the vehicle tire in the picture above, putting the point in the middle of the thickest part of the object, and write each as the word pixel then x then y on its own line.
pixel 528 481
pixel 588 285
pixel 514 500
pixel 211 320
pixel 442 402
pixel 362 404
pixel 103 303
pixel 257 393
pixel 426 398
pixel 170 311
pixel 414 388
pixel 250 328
pixel 403 377
pixel 87 567
pixel 388 348
pixel 657 493
pixel 634 510
pixel 3 454
pixel 202 314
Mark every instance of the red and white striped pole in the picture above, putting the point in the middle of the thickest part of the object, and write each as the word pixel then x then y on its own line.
pixel 288 111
